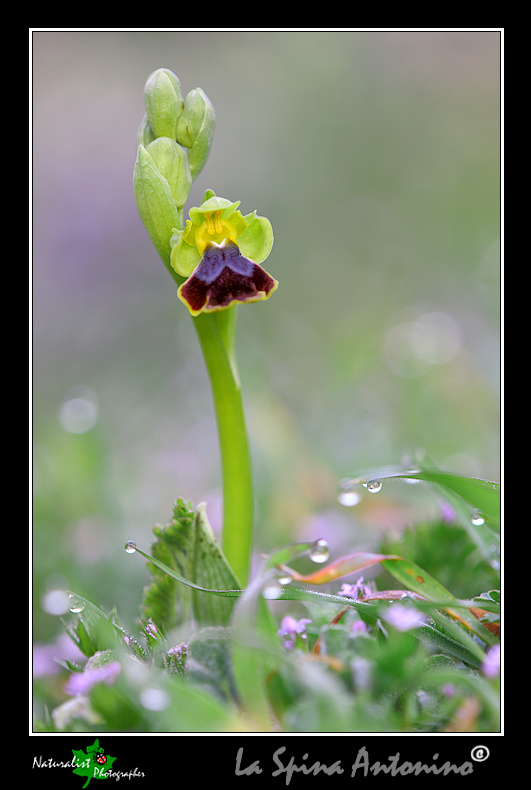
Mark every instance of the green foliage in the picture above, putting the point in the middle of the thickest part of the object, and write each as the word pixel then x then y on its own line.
pixel 174 141
pixel 163 601
pixel 356 668
pixel 448 553
pixel 93 631
pixel 476 503
pixel 419 656
pixel 188 546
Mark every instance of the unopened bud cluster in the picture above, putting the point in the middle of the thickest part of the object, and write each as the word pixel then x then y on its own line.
pixel 174 142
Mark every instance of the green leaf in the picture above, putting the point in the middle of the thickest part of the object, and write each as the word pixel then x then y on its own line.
pixel 208 662
pixel 93 631
pixel 407 573
pixel 253 629
pixel 489 601
pixel 155 202
pixel 440 636
pixel 187 551
pixel 415 578
pixel 166 603
pixel 210 570
pixel 431 543
pixel 481 495
pixel 471 682
pixel 476 502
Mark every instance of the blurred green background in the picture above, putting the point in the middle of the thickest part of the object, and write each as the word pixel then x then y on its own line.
pixel 376 156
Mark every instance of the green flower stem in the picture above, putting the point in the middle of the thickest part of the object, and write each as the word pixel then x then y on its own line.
pixel 216 333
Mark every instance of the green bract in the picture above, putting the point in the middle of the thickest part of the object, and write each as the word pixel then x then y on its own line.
pixel 195 128
pixel 217 220
pixel 174 140
pixel 219 251
pixel 164 103
pixel 171 161
pixel 156 202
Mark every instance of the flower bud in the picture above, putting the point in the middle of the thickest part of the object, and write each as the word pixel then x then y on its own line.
pixel 171 160
pixel 145 134
pixel 156 204
pixel 195 129
pixel 164 103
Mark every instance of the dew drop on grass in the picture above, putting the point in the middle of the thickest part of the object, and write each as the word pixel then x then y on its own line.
pixel 320 552
pixel 373 486
pixel 130 547
pixel 477 519
pixel 284 580
pixel 76 604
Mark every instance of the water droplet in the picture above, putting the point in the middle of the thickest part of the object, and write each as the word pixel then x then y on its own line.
pixel 271 593
pixel 130 547
pixel 283 580
pixel 76 604
pixel 320 552
pixel 373 486
pixel 477 519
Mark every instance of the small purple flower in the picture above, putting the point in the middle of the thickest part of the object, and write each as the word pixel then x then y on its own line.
pixel 448 689
pixel 357 590
pixel 448 515
pixel 491 664
pixel 403 618
pixel 82 682
pixel 358 627
pixel 290 629
pixel 151 628
pixel 179 650
pixel 177 657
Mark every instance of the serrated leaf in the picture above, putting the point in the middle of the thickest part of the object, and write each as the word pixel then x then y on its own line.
pixel 189 548
pixel 163 601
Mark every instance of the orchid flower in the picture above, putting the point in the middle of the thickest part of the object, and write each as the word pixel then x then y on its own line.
pixel 219 253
